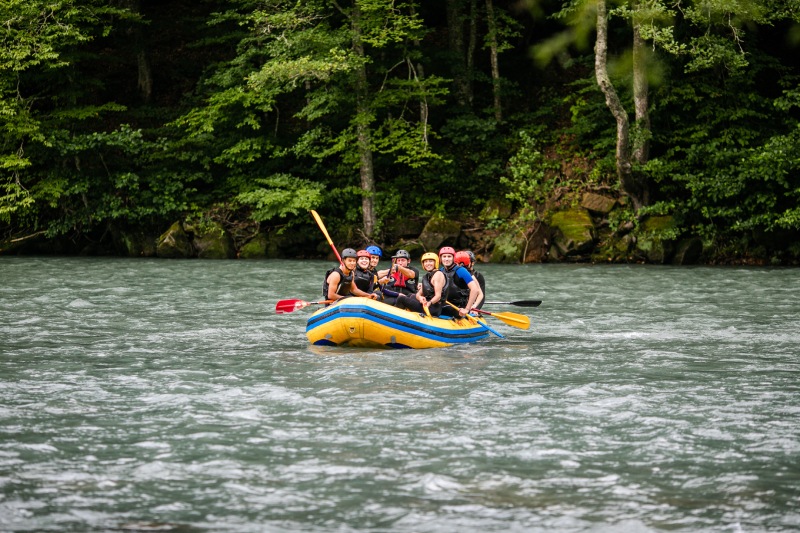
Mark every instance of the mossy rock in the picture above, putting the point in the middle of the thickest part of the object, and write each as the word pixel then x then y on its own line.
pixel 598 203
pixel 212 242
pixel 655 240
pixel 509 248
pixel 255 248
pixel 573 231
pixel 688 252
pixel 133 243
pixel 658 224
pixel 438 232
pixel 414 249
pixel 496 209
pixel 174 243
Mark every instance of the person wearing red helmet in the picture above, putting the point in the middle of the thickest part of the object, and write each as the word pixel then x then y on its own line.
pixel 430 290
pixel 363 277
pixel 463 290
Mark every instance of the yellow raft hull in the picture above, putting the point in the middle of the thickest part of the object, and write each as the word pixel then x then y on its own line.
pixel 362 322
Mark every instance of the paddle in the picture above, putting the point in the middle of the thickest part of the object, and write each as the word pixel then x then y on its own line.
pixel 328 237
pixel 512 319
pixel 290 306
pixel 475 321
pixel 519 303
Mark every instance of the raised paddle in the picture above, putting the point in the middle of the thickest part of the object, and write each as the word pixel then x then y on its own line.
pixel 519 303
pixel 512 319
pixel 290 306
pixel 476 321
pixel 328 237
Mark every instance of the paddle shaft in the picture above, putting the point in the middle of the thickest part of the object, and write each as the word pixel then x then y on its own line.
pixel 518 303
pixel 512 319
pixel 476 321
pixel 328 237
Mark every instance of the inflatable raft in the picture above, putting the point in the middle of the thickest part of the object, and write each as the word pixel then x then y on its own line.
pixel 362 322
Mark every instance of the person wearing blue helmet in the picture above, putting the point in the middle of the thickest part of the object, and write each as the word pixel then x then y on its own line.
pixel 374 258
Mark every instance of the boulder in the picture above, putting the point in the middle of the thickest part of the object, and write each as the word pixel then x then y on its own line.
pixel 509 248
pixel 255 248
pixel 688 251
pixel 134 244
pixel 496 209
pixel 573 231
pixel 597 203
pixel 212 242
pixel 438 232
pixel 174 243
pixel 655 239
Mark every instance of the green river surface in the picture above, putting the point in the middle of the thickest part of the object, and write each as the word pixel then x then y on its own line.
pixel 167 395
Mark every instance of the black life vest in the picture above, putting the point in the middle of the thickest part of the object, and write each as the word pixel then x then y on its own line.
pixel 457 288
pixel 364 279
pixel 427 286
pixel 482 283
pixel 344 283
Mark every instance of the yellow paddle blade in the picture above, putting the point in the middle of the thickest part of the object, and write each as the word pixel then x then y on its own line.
pixel 514 319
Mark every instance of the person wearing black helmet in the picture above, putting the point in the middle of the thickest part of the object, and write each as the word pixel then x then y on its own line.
pixel 401 277
pixel 338 282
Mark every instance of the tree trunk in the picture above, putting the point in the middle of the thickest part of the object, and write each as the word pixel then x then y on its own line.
pixel 498 110
pixel 363 133
pixel 628 183
pixel 455 39
pixel 471 47
pixel 641 147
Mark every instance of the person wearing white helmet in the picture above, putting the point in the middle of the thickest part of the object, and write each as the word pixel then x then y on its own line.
pixel 431 288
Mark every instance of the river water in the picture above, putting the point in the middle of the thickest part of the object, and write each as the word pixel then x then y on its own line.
pixel 158 395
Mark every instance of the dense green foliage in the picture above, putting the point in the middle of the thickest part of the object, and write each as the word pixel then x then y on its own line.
pixel 251 111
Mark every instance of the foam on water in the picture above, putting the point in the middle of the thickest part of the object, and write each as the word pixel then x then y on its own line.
pixel 167 395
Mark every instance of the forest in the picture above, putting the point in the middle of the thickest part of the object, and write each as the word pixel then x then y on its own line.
pixel 578 130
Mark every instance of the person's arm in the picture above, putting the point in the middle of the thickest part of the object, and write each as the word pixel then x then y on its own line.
pixel 355 291
pixel 475 295
pixel 481 285
pixel 420 297
pixel 406 271
pixel 333 283
pixel 438 282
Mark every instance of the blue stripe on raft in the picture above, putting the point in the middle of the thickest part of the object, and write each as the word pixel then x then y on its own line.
pixel 396 321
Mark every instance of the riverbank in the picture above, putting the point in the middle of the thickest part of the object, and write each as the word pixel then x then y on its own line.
pixel 596 228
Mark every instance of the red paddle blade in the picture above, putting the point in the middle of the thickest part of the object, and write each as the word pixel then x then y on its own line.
pixel 289 306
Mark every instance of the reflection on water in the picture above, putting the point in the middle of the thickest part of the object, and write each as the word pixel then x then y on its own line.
pixel 167 395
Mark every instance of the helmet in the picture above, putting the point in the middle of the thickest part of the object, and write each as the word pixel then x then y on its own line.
pixel 401 254
pixel 374 250
pixel 462 258
pixel 362 253
pixel 430 255
pixel 349 252
pixel 471 257
pixel 447 250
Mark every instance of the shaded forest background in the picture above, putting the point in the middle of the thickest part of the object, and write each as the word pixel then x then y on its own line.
pixel 121 118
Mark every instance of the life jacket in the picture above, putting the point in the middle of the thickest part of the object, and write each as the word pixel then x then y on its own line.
pixel 364 279
pixel 457 289
pixel 344 283
pixel 427 286
pixel 482 283
pixel 402 284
